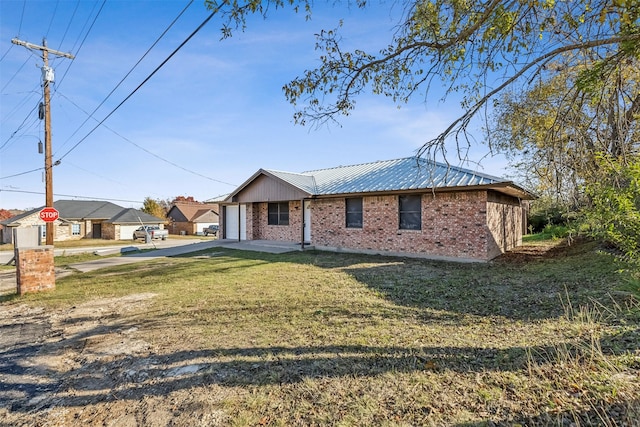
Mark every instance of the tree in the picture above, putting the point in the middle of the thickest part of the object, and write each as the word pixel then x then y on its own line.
pixel 614 209
pixel 153 207
pixel 183 199
pixel 477 48
pixel 559 128
pixel 5 214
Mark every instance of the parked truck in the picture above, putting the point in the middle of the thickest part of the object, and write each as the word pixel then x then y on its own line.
pixel 153 231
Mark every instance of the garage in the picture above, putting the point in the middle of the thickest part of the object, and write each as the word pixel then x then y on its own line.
pixel 126 231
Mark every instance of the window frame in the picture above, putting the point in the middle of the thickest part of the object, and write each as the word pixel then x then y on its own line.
pixel 405 213
pixel 278 213
pixel 357 213
pixel 73 229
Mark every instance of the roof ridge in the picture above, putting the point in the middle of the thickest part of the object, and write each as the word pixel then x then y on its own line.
pixel 362 164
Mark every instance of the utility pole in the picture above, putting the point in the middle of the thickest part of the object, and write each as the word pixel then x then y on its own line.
pixel 47 78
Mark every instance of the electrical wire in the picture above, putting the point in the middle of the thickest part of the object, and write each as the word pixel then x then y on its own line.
pixel 147 151
pixel 69 25
pixel 90 115
pixel 55 10
pixel 71 195
pixel 140 85
pixel 16 73
pixel 22 173
pixel 81 44
pixel 19 128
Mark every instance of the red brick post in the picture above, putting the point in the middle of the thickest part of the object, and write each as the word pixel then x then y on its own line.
pixel 35 271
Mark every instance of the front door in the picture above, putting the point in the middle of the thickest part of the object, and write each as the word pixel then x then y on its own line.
pixel 96 231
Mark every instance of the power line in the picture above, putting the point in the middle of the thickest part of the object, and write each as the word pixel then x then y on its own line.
pixel 22 173
pixel 145 150
pixel 90 115
pixel 69 24
pixel 82 43
pixel 141 84
pixel 72 195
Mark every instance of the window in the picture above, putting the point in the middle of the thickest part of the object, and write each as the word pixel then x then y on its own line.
pixel 75 229
pixel 354 212
pixel 278 213
pixel 410 212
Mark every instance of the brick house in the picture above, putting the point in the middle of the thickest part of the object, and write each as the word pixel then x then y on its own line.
pixel 192 218
pixel 83 219
pixel 408 207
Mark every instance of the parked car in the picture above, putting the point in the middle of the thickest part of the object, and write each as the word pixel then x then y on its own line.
pixel 211 230
pixel 153 230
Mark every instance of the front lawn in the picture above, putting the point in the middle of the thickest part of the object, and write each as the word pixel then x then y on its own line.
pixel 242 338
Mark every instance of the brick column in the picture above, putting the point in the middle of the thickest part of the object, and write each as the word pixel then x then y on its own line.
pixel 35 271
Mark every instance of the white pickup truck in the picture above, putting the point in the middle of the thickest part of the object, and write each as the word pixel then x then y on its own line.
pixel 153 230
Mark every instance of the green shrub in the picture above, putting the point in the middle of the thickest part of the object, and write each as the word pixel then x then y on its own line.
pixel 614 211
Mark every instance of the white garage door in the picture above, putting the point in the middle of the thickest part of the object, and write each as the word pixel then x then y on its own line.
pixel 231 222
pixel 126 231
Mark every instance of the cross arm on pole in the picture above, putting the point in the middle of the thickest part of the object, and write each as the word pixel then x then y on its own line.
pixel 43 48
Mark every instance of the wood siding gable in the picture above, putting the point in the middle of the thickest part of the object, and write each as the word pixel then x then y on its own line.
pixel 269 189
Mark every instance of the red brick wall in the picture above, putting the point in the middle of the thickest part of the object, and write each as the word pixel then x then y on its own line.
pixel 453 225
pixel 505 218
pixel 286 233
pixel 35 270
pixel 475 225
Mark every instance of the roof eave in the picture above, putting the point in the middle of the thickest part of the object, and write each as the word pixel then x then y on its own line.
pixel 508 188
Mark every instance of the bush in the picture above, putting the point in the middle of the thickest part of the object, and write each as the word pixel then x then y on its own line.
pixel 546 212
pixel 614 211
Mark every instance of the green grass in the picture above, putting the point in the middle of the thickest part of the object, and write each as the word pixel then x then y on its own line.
pixel 318 338
pixel 550 232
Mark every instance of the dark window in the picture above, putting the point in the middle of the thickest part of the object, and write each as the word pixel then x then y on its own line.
pixel 410 212
pixel 354 212
pixel 278 213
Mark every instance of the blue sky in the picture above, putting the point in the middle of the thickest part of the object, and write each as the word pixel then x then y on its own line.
pixel 205 122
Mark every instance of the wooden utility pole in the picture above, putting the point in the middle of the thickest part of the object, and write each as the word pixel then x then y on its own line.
pixel 47 78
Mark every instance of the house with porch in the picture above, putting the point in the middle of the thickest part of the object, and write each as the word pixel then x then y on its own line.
pixel 406 207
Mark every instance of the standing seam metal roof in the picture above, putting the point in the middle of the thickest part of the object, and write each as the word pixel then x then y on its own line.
pixel 411 173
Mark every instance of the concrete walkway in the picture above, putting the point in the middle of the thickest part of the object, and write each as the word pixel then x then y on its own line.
pixel 251 245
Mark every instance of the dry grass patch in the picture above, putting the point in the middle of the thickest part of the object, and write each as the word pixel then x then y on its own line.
pixel 316 338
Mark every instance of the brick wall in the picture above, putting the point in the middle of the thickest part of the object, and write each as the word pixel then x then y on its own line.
pixel 505 218
pixel 189 228
pixel 261 230
pixel 477 225
pixel 453 225
pixel 34 269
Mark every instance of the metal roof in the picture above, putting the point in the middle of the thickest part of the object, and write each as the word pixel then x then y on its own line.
pixel 411 173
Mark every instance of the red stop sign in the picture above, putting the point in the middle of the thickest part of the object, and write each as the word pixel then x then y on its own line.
pixel 49 214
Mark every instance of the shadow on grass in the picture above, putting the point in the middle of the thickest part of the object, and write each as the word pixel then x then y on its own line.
pixel 27 387
pixel 491 290
pixel 103 376
pixel 515 290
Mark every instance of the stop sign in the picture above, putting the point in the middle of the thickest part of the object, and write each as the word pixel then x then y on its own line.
pixel 49 214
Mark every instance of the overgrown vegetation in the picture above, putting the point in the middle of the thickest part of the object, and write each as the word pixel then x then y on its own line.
pixel 545 336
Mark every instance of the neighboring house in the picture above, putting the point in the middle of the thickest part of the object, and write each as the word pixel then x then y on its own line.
pixel 192 217
pixel 122 225
pixel 81 219
pixel 409 206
